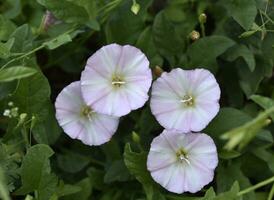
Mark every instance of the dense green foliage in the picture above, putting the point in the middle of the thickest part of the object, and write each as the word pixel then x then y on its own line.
pixel 38 161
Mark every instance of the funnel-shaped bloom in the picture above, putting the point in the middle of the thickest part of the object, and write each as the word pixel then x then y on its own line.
pixel 116 80
pixel 182 162
pixel 185 100
pixel 80 121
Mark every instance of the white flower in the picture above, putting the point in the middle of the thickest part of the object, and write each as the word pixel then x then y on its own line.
pixel 182 162
pixel 185 100
pixel 80 121
pixel 116 80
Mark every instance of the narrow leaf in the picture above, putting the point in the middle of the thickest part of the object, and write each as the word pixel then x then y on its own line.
pixel 16 72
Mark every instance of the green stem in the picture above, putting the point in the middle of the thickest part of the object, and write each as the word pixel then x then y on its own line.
pixel 25 136
pixel 33 51
pixel 267 17
pixel 260 117
pixel 202 25
pixel 254 187
pixel 140 147
pixel 97 162
pixel 23 56
pixel 271 193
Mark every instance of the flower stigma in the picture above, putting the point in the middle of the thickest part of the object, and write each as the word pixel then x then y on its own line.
pixel 87 112
pixel 182 156
pixel 187 100
pixel 117 81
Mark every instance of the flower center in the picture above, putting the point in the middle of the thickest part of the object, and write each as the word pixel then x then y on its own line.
pixel 87 112
pixel 182 156
pixel 187 100
pixel 117 81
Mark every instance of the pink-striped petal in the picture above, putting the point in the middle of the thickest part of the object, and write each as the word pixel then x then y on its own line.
pixel 183 172
pixel 116 80
pixel 95 129
pixel 171 90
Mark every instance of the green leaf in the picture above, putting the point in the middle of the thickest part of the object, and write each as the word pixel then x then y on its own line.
pixel 167 40
pixel 16 72
pixel 7 89
pixel 4 192
pixel 46 129
pixel 232 194
pixel 9 158
pixel 42 2
pixel 5 48
pixel 243 11
pixel 13 8
pixel 84 193
pixel 224 154
pixel 90 6
pixel 241 51
pixel 203 52
pixel 146 43
pixel 67 11
pixel 147 123
pixel 250 81
pixel 112 151
pixel 242 135
pixel 34 89
pixel 264 102
pixel 227 119
pixel 58 41
pixel 267 47
pixel 23 39
pixel 210 193
pixel 96 178
pixel 265 155
pixel 117 172
pixel 227 175
pixel 125 20
pixel 136 164
pixel 72 162
pixel 35 172
pixel 231 86
pixel 247 33
pixel 67 189
pixel 47 186
pixel 6 28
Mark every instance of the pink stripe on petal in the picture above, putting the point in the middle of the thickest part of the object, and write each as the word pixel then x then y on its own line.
pixel 178 175
pixel 176 87
pixel 95 129
pixel 120 67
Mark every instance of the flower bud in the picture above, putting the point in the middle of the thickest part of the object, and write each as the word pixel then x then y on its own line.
pixel 33 122
pixel 49 20
pixel 28 197
pixel 14 112
pixel 10 104
pixel 267 121
pixel 7 113
pixel 135 7
pixel 158 71
pixel 202 18
pixel 23 116
pixel 194 35
pixel 135 137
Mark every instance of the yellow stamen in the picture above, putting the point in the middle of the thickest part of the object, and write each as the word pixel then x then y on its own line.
pixel 187 100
